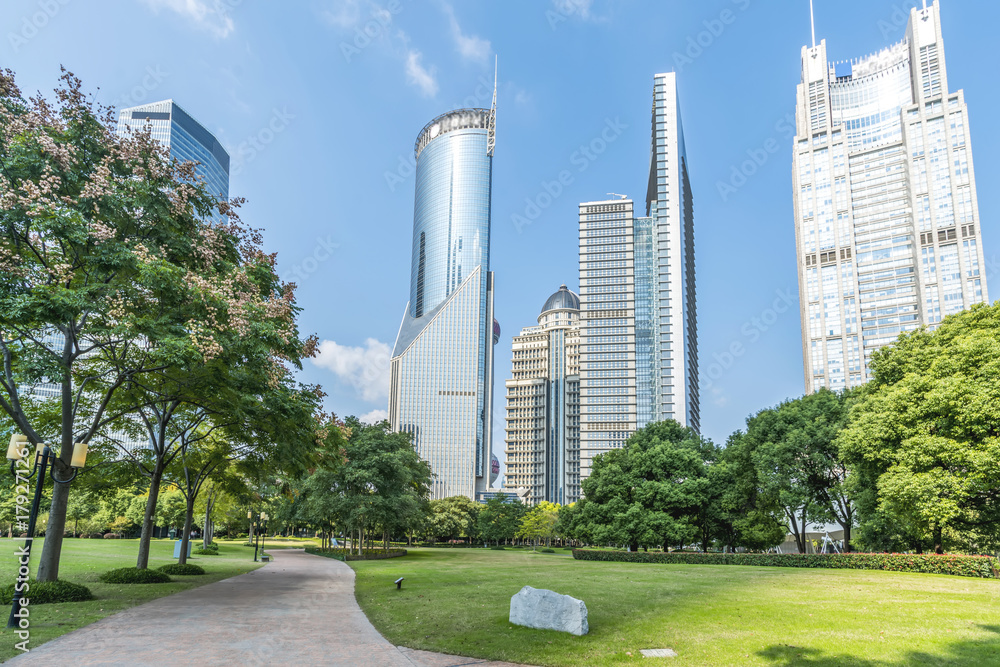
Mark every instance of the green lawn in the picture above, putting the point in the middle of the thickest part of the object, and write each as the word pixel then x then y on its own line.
pixel 457 601
pixel 82 562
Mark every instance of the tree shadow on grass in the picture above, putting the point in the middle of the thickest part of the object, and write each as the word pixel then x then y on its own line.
pixel 975 652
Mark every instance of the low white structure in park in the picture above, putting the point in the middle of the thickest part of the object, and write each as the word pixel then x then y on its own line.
pixel 546 610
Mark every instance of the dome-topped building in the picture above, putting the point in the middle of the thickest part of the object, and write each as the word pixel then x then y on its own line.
pixel 543 405
pixel 562 309
pixel 564 299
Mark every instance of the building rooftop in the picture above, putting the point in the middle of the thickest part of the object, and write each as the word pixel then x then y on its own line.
pixel 564 299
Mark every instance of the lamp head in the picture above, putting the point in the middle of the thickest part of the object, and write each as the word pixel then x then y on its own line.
pixel 18 448
pixel 79 459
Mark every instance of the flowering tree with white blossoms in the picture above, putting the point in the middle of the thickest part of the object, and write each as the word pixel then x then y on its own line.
pixel 115 268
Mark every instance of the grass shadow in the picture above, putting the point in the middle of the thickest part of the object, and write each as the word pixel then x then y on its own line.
pixel 963 652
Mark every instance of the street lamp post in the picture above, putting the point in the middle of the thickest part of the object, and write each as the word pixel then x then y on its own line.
pixel 18 451
pixel 261 528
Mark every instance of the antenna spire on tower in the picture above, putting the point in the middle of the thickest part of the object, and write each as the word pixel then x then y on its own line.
pixel 812 21
pixel 491 137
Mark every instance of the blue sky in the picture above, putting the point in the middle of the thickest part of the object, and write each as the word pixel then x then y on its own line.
pixel 321 117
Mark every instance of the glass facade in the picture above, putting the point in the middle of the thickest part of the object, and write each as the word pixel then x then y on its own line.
pixel 442 367
pixel 885 209
pixel 670 206
pixel 187 139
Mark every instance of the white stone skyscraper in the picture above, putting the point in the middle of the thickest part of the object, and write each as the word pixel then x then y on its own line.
pixel 543 405
pixel 886 214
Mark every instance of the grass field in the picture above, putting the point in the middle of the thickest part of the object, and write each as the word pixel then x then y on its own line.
pixel 457 601
pixel 82 562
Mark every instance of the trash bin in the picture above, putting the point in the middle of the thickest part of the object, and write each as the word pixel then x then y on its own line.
pixel 177 548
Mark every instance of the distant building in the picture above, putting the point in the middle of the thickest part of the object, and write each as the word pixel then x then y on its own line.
pixel 886 214
pixel 187 139
pixel 543 405
pixel 441 387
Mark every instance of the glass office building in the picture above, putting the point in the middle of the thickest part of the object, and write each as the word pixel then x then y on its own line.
pixel 543 405
pixel 187 139
pixel 886 212
pixel 638 319
pixel 441 388
pixel 670 205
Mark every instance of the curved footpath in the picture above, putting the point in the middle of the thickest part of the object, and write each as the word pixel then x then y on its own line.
pixel 300 609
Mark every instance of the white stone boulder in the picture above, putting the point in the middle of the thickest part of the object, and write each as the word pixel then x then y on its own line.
pixel 546 610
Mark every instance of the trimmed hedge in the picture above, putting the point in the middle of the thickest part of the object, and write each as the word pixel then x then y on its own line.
pixel 185 570
pixel 964 566
pixel 367 554
pixel 131 575
pixel 48 592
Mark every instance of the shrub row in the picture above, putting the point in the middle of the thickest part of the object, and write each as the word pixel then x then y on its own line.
pixel 367 554
pixel 48 592
pixel 131 575
pixel 187 569
pixel 963 566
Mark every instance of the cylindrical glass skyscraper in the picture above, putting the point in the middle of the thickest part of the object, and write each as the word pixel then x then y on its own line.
pixel 442 367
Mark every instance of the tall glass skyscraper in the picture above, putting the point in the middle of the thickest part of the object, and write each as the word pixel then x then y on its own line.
pixel 886 213
pixel 441 387
pixel 187 139
pixel 670 205
pixel 639 326
pixel 543 405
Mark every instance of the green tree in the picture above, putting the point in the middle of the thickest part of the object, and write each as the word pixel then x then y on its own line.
pixel 539 523
pixel 651 491
pixel 925 435
pixel 453 517
pixel 112 264
pixel 499 519
pixel 798 462
pixel 750 518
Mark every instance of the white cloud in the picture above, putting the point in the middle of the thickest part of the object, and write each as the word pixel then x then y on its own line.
pixel 471 47
pixel 420 76
pixel 579 8
pixel 364 368
pixel 375 416
pixel 207 16
pixel 343 13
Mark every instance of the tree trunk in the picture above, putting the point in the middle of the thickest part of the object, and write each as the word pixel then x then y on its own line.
pixel 206 536
pixel 186 535
pixel 938 539
pixel 48 564
pixel 142 562
pixel 847 539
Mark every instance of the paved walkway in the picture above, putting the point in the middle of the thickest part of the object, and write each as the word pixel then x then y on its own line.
pixel 298 610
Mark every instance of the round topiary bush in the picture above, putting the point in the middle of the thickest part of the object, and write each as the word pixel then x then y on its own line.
pixel 131 575
pixel 49 592
pixel 497 548
pixel 548 551
pixel 186 570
